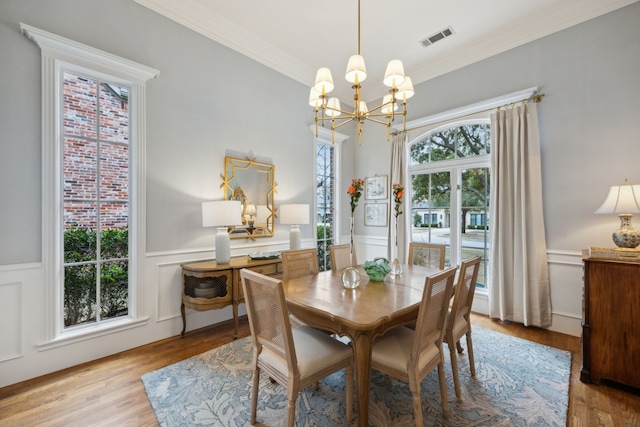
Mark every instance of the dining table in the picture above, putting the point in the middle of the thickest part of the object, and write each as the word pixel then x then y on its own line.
pixel 361 314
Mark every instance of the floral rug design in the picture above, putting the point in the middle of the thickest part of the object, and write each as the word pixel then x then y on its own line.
pixel 518 383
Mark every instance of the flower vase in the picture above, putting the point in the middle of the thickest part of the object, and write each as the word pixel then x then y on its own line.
pixel 396 268
pixel 351 275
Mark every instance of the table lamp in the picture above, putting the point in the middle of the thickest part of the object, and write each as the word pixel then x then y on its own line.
pixel 294 215
pixel 222 214
pixel 251 211
pixel 623 200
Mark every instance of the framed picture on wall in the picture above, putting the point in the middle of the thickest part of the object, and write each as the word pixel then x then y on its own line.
pixel 375 188
pixel 375 214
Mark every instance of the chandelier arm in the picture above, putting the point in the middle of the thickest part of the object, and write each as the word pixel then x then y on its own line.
pixel 342 124
pixel 379 121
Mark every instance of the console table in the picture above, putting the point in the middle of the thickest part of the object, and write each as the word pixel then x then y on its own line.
pixel 611 321
pixel 223 282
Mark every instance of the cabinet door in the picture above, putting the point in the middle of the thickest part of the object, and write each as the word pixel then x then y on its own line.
pixel 614 320
pixel 205 290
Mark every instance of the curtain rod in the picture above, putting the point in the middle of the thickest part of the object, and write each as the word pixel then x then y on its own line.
pixel 535 98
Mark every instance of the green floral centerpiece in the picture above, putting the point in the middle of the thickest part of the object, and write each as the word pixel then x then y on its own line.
pixel 377 269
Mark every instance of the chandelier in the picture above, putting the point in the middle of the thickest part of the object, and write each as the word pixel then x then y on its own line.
pixel 328 109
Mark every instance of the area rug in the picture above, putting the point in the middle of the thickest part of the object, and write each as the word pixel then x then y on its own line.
pixel 518 383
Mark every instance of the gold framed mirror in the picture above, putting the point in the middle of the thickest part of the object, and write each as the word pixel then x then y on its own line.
pixel 252 183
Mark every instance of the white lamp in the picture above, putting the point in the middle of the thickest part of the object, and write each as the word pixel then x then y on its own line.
pixel 294 215
pixel 221 214
pixel 623 200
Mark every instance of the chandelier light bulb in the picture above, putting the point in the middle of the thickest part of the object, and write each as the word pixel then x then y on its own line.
pixel 324 81
pixel 356 70
pixel 394 76
pixel 364 110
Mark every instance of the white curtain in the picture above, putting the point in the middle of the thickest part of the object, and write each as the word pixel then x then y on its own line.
pixel 519 288
pixel 398 173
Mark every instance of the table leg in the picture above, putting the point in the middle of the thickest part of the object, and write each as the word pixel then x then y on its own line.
pixel 184 318
pixel 235 320
pixel 362 351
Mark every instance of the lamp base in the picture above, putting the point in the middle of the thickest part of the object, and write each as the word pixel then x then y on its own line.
pixel 626 237
pixel 295 242
pixel 223 246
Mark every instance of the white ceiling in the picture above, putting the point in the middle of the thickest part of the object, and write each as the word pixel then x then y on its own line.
pixel 296 37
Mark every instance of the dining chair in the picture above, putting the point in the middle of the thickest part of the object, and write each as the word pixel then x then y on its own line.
pixel 294 358
pixel 427 254
pixel 459 317
pixel 339 255
pixel 298 263
pixel 409 355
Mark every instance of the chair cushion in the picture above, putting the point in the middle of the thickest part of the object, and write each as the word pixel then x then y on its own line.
pixel 315 351
pixel 394 350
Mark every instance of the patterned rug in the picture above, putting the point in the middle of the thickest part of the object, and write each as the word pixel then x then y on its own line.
pixel 518 383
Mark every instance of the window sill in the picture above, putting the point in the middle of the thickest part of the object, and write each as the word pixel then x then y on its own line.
pixel 67 338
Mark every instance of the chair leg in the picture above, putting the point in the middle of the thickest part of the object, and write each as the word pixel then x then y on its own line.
pixel 459 347
pixel 291 416
pixel 417 407
pixel 472 363
pixel 254 395
pixel 454 369
pixel 443 387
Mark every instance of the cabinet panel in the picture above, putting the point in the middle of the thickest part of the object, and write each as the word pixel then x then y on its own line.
pixel 207 285
pixel 611 329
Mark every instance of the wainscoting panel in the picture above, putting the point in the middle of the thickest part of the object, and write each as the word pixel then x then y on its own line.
pixel 11 320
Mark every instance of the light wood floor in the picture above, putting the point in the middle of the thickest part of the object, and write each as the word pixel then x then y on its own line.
pixel 108 392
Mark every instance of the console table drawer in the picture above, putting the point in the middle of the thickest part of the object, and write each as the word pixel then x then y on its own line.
pixel 267 270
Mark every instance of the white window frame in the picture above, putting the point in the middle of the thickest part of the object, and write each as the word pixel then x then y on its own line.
pixel 455 168
pixel 325 137
pixel 58 55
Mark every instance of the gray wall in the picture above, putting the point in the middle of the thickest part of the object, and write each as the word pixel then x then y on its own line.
pixel 589 118
pixel 208 99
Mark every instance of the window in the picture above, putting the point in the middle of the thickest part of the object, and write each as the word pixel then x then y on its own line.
pixel 449 172
pixel 325 183
pixel 95 158
pixel 93 138
pixel 327 167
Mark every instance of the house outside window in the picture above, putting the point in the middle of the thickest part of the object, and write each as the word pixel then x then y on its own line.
pixel 96 200
pixel 449 176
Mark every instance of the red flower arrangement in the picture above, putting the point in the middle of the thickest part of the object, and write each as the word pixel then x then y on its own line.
pixel 355 191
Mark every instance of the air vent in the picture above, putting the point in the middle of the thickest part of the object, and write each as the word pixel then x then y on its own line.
pixel 441 35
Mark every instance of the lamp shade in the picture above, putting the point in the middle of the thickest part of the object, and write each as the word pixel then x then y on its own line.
pixel 622 199
pixel 314 98
pixel 324 81
pixel 333 107
pixel 405 90
pixel 251 209
pixel 294 214
pixel 387 107
pixel 356 70
pixel 221 213
pixel 394 76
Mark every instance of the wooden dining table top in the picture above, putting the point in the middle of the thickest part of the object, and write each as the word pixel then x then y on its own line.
pixel 362 313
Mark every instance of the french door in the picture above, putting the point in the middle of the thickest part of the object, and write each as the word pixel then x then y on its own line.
pixel 450 206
